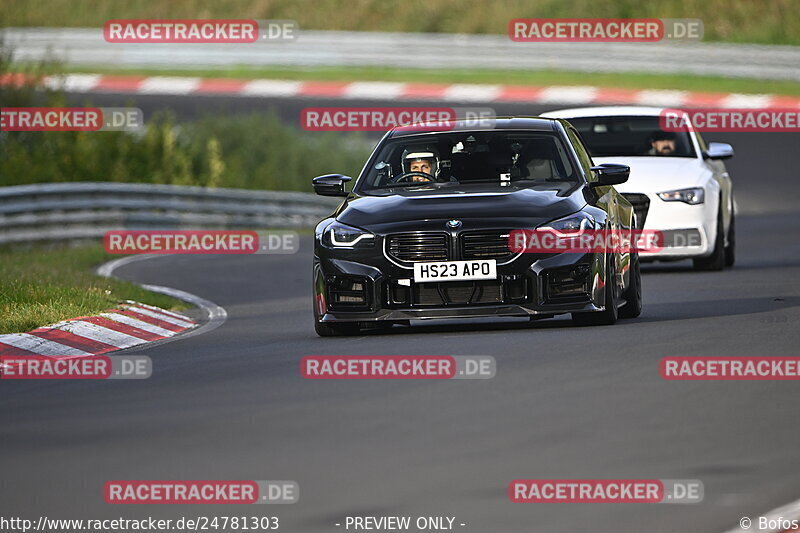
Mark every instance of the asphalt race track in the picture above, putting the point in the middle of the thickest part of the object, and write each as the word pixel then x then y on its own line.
pixel 567 402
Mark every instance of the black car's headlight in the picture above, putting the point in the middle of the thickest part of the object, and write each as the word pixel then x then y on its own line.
pixel 342 236
pixel 574 222
pixel 693 196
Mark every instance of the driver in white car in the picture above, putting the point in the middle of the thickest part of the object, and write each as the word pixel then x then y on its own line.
pixel 662 143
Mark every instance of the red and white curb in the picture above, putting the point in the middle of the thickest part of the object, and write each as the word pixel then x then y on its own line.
pixel 132 324
pixel 215 315
pixel 378 90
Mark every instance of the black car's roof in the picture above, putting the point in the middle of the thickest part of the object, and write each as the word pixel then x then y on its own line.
pixel 462 126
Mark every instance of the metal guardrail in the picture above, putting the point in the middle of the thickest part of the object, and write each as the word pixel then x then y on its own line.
pixel 56 211
pixel 85 46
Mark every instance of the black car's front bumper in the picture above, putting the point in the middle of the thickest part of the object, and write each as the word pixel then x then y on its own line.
pixel 364 285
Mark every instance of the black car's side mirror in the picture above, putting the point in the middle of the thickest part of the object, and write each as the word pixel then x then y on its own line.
pixel 611 174
pixel 718 151
pixel 330 184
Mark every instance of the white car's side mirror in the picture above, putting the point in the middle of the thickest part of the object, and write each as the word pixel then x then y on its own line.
pixel 718 151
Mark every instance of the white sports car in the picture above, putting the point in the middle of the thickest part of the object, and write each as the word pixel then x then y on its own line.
pixel 678 184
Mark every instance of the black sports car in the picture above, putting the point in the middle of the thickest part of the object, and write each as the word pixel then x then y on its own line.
pixel 424 234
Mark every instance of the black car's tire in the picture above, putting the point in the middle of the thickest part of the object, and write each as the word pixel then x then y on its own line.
pixel 608 316
pixel 715 261
pixel 730 250
pixel 633 293
pixel 336 329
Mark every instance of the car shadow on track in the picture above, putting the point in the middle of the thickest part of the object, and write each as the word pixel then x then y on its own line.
pixel 657 312
pixel 685 267
pixel 693 310
pixel 458 326
pixel 462 327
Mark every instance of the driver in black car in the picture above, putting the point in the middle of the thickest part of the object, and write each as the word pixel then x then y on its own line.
pixel 425 160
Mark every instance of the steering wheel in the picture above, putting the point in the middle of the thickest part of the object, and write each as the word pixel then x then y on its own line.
pixel 405 178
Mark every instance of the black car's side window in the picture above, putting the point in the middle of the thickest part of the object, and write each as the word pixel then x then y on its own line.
pixel 583 154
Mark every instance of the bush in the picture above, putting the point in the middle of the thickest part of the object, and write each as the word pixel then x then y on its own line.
pixel 254 151
pixel 251 152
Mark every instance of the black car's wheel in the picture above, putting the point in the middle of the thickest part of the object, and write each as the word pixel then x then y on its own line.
pixel 730 250
pixel 608 316
pixel 336 329
pixel 633 293
pixel 715 261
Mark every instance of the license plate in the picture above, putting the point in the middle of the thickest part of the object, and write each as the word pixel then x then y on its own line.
pixel 455 271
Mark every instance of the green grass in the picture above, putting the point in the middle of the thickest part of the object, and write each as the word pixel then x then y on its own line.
pixel 41 285
pixel 754 21
pixel 508 77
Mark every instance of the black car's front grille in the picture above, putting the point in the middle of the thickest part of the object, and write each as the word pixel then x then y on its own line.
pixel 414 247
pixel 458 293
pixel 492 244
pixel 435 246
pixel 641 204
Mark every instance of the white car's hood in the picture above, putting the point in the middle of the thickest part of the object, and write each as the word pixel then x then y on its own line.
pixel 652 174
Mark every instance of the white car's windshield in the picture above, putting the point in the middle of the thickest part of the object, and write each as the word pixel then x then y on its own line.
pixel 631 136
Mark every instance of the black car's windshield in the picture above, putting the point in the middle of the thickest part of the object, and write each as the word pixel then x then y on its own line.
pixel 485 161
pixel 631 136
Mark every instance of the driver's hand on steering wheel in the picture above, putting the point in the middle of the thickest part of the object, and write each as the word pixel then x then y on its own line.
pixel 414 177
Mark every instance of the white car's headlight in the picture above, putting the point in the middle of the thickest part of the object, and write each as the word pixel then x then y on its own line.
pixel 339 235
pixel 574 222
pixel 691 196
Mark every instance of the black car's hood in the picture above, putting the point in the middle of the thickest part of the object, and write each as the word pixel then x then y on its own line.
pixel 521 204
